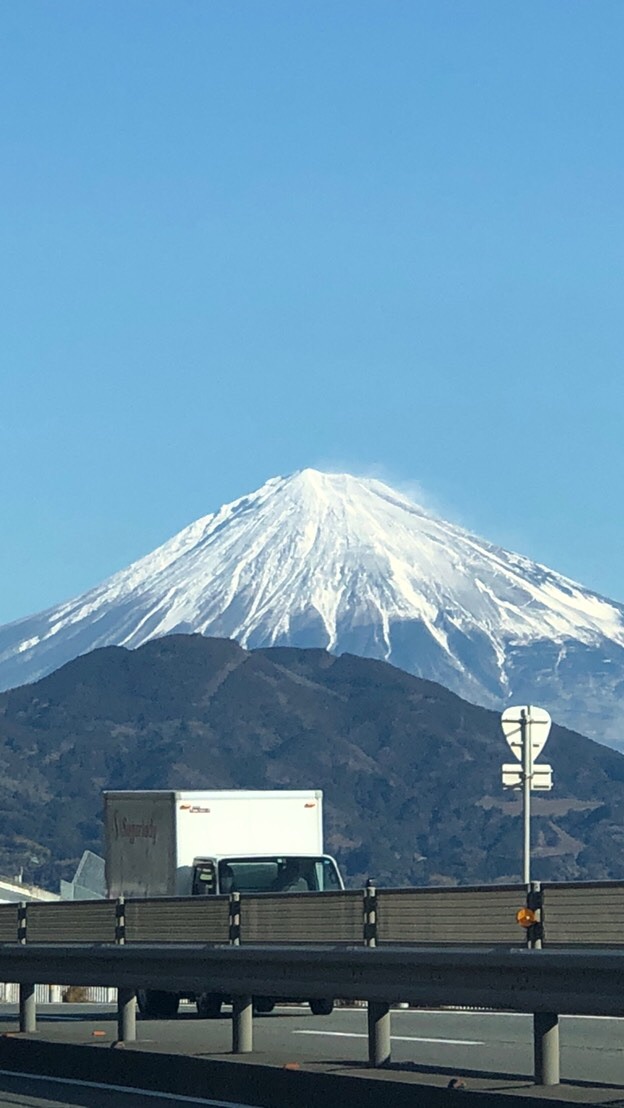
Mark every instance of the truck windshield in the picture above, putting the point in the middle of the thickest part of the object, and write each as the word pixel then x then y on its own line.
pixel 278 875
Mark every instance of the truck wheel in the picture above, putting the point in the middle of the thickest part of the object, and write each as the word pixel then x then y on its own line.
pixel 208 1006
pixel 321 1007
pixel 263 1005
pixel 157 1005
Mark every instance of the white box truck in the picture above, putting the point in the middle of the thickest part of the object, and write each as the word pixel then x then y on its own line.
pixel 197 843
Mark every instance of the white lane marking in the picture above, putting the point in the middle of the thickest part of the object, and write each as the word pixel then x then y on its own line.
pixel 393 1038
pixel 124 1089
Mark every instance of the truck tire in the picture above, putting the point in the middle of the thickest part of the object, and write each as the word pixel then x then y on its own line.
pixel 208 1006
pixel 321 1007
pixel 154 1004
pixel 263 1005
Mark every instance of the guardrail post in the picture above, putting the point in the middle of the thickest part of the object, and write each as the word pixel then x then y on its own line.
pixel 242 1006
pixel 235 919
pixel 378 1014
pixel 27 1003
pixel 242 1025
pixel 370 914
pixel 126 998
pixel 126 1015
pixel 120 921
pixel 535 901
pixel 546 1048
pixel 22 922
pixel 27 1009
pixel 378 1033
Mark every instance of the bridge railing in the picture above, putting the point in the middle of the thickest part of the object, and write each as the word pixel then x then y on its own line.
pixel 9 923
pixel 484 914
pixel 587 914
pixel 302 918
pixel 429 946
pixel 73 921
pixel 542 982
pixel 175 919
pixel 575 914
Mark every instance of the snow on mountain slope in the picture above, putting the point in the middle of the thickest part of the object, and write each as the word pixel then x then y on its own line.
pixel 336 561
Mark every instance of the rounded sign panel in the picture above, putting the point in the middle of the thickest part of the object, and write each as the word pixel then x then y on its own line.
pixel 537 722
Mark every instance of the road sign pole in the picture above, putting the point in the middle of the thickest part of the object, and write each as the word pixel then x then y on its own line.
pixel 526 731
pixel 526 795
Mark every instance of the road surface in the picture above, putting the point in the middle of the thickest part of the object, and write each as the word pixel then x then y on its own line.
pixel 17 1091
pixel 453 1042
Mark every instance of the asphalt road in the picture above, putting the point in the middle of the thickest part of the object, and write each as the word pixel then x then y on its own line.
pixel 453 1042
pixel 17 1091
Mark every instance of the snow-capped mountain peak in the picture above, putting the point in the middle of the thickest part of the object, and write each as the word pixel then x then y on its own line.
pixel 348 563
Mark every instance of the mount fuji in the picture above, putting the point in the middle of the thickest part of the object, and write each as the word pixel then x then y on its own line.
pixel 351 565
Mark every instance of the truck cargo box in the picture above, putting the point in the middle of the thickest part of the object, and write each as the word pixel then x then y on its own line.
pixel 153 837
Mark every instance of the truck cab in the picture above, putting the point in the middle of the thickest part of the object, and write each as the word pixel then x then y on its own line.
pixel 265 874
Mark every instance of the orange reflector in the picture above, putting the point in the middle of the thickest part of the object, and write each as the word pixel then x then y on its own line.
pixel 291 1066
pixel 525 917
pixel 98 1034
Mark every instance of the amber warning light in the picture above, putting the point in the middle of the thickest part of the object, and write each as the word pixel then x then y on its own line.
pixel 526 917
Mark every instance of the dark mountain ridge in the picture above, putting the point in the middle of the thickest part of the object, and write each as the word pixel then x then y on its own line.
pixel 410 772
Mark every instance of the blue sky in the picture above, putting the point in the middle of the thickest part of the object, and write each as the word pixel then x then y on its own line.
pixel 244 237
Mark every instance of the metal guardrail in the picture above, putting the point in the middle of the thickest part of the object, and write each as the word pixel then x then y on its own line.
pixel 85 921
pixel 545 983
pixel 587 914
pixel 580 913
pixel 8 923
pixel 179 919
pixel 569 982
pixel 301 917
pixel 425 946
pixel 485 914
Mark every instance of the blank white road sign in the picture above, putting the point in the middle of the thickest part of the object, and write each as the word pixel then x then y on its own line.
pixel 541 776
pixel 538 728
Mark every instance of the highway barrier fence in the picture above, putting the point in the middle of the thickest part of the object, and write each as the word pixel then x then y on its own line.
pixel 549 949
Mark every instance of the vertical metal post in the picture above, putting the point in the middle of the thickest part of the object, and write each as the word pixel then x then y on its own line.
pixel 546 1048
pixel 378 1033
pixel 27 1005
pixel 378 1014
pixel 370 914
pixel 22 922
pixel 126 998
pixel 120 921
pixel 242 1006
pixel 535 901
pixel 242 1025
pixel 27 1009
pixel 235 919
pixel 126 1015
pixel 527 759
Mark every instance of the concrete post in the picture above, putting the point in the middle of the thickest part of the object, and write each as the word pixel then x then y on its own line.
pixel 126 1015
pixel 27 1009
pixel 378 1033
pixel 546 1048
pixel 242 1025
